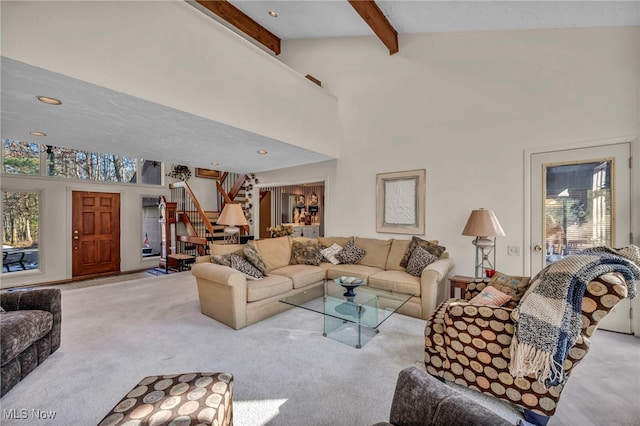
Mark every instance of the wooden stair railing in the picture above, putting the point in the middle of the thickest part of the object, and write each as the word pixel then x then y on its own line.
pixel 201 213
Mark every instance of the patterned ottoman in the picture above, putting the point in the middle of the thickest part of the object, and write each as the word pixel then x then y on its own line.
pixel 177 400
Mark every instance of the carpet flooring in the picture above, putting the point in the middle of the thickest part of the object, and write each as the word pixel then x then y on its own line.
pixel 285 372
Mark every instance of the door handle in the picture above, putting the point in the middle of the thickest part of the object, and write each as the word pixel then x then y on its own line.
pixel 537 247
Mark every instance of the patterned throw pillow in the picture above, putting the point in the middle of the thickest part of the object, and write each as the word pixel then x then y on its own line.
pixel 305 253
pixel 350 254
pixel 511 285
pixel 432 248
pixel 241 264
pixel 419 259
pixel 491 296
pixel 224 259
pixel 250 252
pixel 329 253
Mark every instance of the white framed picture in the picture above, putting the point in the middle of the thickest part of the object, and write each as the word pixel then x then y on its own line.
pixel 400 202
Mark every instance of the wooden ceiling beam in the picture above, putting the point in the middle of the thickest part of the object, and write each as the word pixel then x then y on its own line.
pixel 237 18
pixel 373 16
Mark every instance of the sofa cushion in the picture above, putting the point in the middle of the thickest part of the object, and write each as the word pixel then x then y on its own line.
pixel 376 251
pixel 20 329
pixel 491 296
pixel 511 285
pixel 329 253
pixel 329 241
pixel 396 254
pixel 275 252
pixel 251 253
pixel 301 275
pixel 269 286
pixel 430 246
pixel 224 248
pixel 350 254
pixel 419 259
pixel 242 265
pixel 396 281
pixel 305 253
pixel 359 271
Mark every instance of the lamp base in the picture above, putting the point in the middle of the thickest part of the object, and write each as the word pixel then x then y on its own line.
pixel 231 235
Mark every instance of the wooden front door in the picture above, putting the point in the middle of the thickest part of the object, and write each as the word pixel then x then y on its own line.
pixel 95 233
pixel 265 214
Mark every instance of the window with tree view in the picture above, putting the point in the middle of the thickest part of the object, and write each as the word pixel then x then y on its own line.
pixel 33 159
pixel 20 230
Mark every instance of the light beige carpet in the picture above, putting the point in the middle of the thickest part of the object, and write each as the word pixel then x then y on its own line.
pixel 285 372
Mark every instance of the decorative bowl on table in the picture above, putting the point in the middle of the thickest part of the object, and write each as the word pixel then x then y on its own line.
pixel 349 283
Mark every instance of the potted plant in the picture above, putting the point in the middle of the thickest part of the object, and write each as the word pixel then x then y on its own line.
pixel 180 172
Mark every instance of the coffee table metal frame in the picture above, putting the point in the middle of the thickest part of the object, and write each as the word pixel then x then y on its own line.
pixel 350 320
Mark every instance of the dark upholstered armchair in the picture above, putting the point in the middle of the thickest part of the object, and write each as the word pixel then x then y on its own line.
pixel 420 400
pixel 29 332
pixel 469 344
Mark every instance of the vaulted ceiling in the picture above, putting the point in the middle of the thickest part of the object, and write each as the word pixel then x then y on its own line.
pixel 111 120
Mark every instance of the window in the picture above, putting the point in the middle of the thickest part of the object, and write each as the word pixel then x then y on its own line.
pixel 150 227
pixel 47 160
pixel 577 207
pixel 20 230
pixel 76 164
pixel 20 157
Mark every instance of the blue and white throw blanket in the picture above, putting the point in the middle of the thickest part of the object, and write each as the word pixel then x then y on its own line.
pixel 550 314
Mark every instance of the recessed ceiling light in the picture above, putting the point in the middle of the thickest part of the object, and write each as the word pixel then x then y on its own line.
pixel 273 14
pixel 262 151
pixel 37 133
pixel 48 100
pixel 215 164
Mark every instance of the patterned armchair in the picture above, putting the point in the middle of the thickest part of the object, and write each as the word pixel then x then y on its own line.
pixel 469 344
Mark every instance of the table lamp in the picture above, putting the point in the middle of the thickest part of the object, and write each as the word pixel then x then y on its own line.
pixel 232 216
pixel 483 224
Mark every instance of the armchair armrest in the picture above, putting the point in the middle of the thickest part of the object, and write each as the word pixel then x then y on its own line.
pixel 421 399
pixel 40 299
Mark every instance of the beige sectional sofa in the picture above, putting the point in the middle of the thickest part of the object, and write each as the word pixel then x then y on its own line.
pixel 229 297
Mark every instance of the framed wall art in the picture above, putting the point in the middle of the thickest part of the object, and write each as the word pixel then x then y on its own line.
pixel 400 202
pixel 207 173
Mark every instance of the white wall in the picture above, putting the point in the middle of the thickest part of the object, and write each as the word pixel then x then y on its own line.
pixel 55 226
pixel 170 53
pixel 465 106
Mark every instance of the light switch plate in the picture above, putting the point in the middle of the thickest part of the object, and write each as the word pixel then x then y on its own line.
pixel 513 250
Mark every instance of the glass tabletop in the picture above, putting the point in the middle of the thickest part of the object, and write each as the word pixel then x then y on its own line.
pixel 368 309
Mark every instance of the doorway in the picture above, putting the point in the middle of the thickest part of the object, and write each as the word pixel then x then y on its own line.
pixel 581 198
pixel 95 233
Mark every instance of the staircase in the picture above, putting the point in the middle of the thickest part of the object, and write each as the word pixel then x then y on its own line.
pixel 197 227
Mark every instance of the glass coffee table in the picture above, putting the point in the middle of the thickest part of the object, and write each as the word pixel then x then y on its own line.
pixel 353 320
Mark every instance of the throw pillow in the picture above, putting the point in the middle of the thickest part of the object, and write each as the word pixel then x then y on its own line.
pixel 305 253
pixel 221 259
pixel 491 296
pixel 242 265
pixel 432 248
pixel 419 259
pixel 250 252
pixel 511 285
pixel 329 253
pixel 350 254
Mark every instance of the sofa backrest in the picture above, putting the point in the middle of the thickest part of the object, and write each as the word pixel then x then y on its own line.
pixel 275 252
pixel 376 250
pixel 396 253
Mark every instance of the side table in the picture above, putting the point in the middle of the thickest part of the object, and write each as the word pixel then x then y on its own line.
pixel 181 258
pixel 461 282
